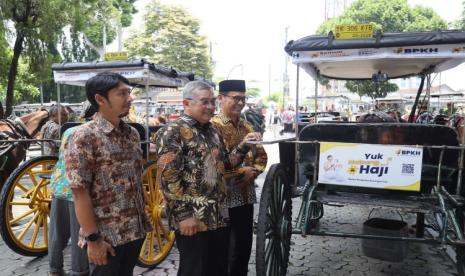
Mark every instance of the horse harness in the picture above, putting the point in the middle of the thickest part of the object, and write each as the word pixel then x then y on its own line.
pixel 18 131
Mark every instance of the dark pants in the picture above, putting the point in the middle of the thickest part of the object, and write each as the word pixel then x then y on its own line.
pixel 64 225
pixel 122 264
pixel 241 236
pixel 203 254
pixel 288 127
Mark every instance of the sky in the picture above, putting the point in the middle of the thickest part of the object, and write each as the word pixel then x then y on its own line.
pixel 248 36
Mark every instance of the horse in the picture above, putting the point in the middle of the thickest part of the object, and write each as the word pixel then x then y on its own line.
pixel 12 153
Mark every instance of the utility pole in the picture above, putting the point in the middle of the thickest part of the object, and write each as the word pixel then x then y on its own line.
pixel 269 80
pixel 285 74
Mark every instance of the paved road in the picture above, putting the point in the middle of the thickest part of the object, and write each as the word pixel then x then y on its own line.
pixel 325 256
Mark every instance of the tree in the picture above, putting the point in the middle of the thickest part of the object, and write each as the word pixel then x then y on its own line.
pixel 39 26
pixel 371 89
pixel 460 24
pixel 35 36
pixel 253 91
pixel 170 37
pixel 386 16
pixel 102 20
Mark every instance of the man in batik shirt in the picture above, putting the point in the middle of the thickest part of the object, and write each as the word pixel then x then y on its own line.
pixel 104 165
pixel 233 128
pixel 51 129
pixel 191 162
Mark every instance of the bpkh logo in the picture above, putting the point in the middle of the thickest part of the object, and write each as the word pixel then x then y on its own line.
pixel 408 152
pixel 416 51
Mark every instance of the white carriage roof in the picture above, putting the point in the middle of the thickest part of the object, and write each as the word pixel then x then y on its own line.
pixel 396 54
pixel 137 71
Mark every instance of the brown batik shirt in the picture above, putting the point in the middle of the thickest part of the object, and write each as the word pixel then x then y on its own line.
pixel 232 136
pixel 51 130
pixel 191 162
pixel 107 161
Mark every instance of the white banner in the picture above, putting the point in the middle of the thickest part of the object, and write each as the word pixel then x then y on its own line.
pixel 134 75
pixel 427 51
pixel 373 166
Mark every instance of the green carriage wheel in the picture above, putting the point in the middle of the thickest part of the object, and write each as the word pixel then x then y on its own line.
pixel 274 227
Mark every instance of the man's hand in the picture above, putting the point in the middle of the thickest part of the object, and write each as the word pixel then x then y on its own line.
pixel 248 175
pixel 188 227
pixel 97 252
pixel 252 136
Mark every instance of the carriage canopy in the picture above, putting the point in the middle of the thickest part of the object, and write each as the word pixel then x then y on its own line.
pixel 137 71
pixel 395 54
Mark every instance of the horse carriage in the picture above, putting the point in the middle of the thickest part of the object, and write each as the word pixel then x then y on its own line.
pixel 403 167
pixel 25 196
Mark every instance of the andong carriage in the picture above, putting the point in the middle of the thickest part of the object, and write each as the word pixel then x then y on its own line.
pixel 407 167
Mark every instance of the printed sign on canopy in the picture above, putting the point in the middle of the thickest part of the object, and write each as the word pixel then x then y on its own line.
pixel 116 56
pixel 354 31
pixel 374 166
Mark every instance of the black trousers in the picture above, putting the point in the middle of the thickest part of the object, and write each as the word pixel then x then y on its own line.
pixel 203 254
pixel 122 264
pixel 241 236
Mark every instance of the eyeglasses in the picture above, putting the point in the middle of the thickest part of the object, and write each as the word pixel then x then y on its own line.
pixel 236 99
pixel 204 101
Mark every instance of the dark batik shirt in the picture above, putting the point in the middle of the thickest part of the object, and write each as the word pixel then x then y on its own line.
pixel 51 130
pixel 107 161
pixel 191 162
pixel 232 136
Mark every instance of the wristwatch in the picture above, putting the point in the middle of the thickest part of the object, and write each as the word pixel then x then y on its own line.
pixel 92 237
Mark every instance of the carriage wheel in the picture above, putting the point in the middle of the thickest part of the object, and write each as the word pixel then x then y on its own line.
pixel 24 207
pixel 158 243
pixel 274 224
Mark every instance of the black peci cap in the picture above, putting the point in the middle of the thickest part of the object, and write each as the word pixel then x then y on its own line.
pixel 232 85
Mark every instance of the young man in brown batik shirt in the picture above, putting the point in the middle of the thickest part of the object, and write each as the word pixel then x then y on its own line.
pixel 103 162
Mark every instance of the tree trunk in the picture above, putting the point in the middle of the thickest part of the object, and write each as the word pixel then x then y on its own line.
pixel 18 48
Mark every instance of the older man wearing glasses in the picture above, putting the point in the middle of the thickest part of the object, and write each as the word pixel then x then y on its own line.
pixel 233 129
pixel 192 161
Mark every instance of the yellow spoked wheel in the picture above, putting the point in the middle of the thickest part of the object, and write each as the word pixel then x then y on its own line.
pixel 158 243
pixel 25 205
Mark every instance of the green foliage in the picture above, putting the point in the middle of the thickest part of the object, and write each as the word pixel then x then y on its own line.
pixel 87 29
pixel 371 89
pixel 253 92
pixel 460 24
pixel 35 36
pixel 170 37
pixel 386 16
pixel 39 26
pixel 324 81
pixel 26 88
pixel 276 97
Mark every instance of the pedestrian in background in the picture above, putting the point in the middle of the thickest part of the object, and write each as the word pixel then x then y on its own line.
pixel 58 115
